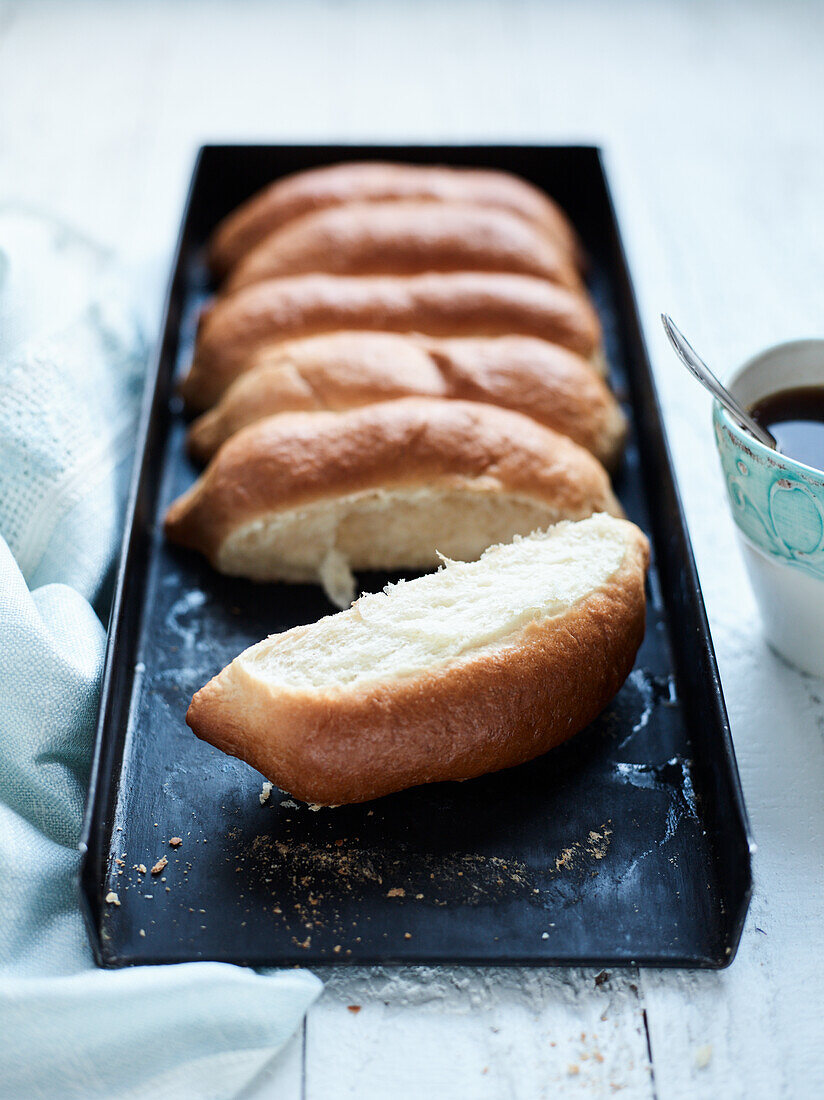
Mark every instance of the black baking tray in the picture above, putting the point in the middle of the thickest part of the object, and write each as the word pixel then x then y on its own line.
pixel 628 845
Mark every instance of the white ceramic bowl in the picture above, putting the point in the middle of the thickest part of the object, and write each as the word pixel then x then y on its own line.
pixel 778 507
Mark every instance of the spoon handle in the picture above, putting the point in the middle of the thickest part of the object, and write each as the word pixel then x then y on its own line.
pixel 696 366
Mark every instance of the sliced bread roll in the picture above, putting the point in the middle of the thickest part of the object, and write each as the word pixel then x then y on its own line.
pixel 475 668
pixel 457 304
pixel 343 370
pixel 310 496
pixel 405 238
pixel 379 181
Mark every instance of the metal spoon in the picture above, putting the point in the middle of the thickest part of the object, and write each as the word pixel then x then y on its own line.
pixel 696 366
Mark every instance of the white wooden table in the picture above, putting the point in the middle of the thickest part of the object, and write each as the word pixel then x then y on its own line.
pixel 712 115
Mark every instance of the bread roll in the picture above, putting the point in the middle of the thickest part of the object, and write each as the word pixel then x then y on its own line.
pixel 405 238
pixel 346 369
pixel 310 496
pixel 461 304
pixel 477 667
pixel 376 181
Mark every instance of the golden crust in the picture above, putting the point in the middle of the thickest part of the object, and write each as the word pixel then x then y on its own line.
pixel 376 181
pixel 460 720
pixel 405 238
pixel 290 461
pixel 456 304
pixel 344 370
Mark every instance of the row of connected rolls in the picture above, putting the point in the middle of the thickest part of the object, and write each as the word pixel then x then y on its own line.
pixel 400 363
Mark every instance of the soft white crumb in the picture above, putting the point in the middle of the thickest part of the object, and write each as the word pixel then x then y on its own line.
pixel 265 792
pixel 336 579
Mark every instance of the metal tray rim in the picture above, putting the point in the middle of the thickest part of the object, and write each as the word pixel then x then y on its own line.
pixel 112 629
pixel 689 555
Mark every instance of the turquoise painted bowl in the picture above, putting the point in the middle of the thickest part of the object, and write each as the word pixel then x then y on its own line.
pixel 778 507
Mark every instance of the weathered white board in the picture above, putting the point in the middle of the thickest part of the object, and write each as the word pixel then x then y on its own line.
pixel 712 115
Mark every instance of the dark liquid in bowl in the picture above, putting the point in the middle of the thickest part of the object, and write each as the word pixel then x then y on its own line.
pixel 796 419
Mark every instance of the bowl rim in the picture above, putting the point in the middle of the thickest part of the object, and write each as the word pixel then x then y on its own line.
pixel 759 449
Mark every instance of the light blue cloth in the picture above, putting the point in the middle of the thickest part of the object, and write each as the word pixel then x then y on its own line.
pixel 71 364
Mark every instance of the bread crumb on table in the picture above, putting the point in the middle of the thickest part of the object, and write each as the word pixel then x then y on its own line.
pixel 112 898
pixel 396 892
pixel 175 842
pixel 265 792
pixel 158 867
pixel 142 868
pixel 703 1056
